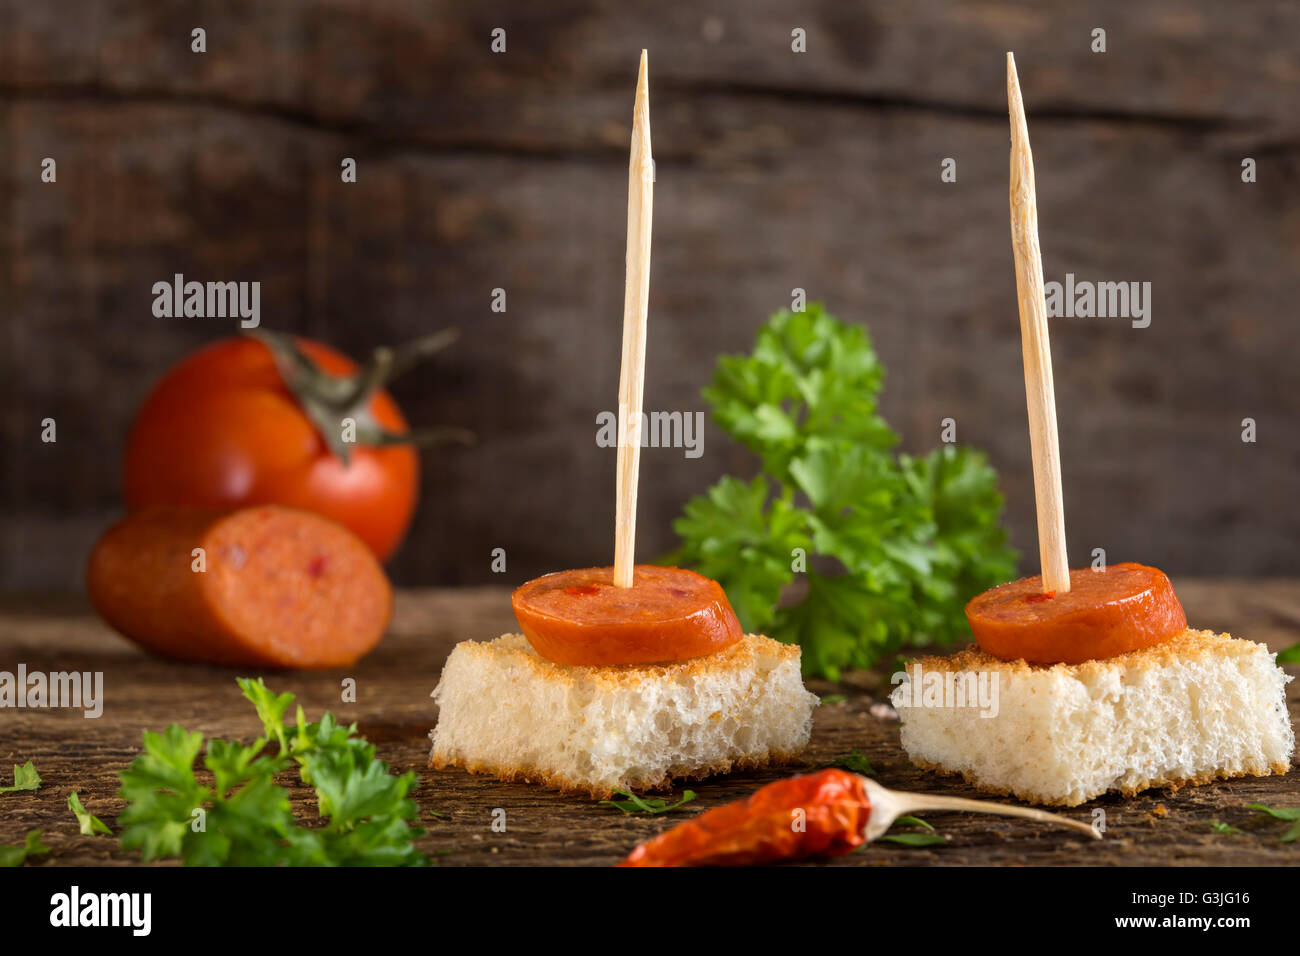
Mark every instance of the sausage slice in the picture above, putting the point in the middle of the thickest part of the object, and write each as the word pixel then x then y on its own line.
pixel 580 617
pixel 1105 613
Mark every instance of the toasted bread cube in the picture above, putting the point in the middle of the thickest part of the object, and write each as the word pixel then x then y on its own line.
pixel 505 710
pixel 1198 707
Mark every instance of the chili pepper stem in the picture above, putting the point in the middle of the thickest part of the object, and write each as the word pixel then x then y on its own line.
pixel 888 805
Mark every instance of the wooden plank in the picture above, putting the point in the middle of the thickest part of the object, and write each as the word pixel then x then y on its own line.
pixel 861 221
pixel 403 69
pixel 394 712
pixel 776 170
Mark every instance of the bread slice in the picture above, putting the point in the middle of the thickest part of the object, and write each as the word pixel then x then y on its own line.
pixel 507 711
pixel 1199 707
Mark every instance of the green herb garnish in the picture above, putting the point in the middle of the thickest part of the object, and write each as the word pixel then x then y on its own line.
pixel 931 837
pixel 891 547
pixel 635 804
pixel 833 699
pixel 32 847
pixel 87 821
pixel 909 821
pixel 244 818
pixel 855 761
pixel 1289 814
pixel 1289 656
pixel 25 778
pixel 1219 827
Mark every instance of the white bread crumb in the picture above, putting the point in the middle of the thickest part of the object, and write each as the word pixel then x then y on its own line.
pixel 507 711
pixel 1199 707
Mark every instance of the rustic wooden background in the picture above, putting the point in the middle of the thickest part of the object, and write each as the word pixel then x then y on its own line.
pixel 775 170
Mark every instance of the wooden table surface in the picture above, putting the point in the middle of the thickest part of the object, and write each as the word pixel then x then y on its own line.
pixel 394 711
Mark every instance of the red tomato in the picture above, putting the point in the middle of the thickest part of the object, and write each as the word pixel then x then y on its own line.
pixel 222 430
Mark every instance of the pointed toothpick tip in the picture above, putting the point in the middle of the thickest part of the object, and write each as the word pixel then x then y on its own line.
pixel 643 78
pixel 641 115
pixel 1015 102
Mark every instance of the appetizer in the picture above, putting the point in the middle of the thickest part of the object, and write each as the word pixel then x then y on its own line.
pixel 624 677
pixel 1101 685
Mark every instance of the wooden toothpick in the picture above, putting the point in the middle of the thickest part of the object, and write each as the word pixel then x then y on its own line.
pixel 636 297
pixel 1036 348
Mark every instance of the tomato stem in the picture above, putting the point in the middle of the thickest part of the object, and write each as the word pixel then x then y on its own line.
pixel 330 400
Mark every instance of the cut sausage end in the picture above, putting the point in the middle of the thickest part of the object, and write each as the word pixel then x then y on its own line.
pixel 260 587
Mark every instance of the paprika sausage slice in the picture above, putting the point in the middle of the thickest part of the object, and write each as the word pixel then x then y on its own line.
pixel 271 587
pixel 580 617
pixel 1105 613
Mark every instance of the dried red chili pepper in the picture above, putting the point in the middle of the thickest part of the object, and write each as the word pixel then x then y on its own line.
pixel 833 805
pixel 827 813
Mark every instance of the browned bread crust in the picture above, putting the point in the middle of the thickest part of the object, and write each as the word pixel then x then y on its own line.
pixel 518 774
pixel 744 708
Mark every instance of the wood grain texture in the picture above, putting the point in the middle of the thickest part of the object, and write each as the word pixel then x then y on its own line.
pixel 543 828
pixel 775 170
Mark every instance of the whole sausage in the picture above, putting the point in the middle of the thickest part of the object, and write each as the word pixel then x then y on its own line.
pixel 257 587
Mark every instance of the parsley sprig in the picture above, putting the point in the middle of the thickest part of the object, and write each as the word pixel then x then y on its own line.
pixel 87 823
pixel 32 847
pixel 25 778
pixel 855 761
pixel 243 818
pixel 1289 814
pixel 907 540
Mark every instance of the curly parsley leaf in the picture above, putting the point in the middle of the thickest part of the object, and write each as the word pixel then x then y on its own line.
pixel 735 523
pixel 809 374
pixel 16 855
pixel 245 817
pixel 1219 826
pixel 25 778
pixel 270 707
pixel 902 543
pixel 87 822
pixel 855 761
